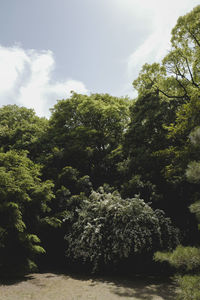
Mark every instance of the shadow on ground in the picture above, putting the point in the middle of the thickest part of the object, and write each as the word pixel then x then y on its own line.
pixel 15 280
pixel 141 287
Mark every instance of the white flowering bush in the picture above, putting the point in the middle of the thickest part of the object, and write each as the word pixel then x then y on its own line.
pixel 109 228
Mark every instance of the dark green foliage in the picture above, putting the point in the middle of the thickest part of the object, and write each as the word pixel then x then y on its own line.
pixel 67 199
pixel 187 259
pixel 24 200
pixel 86 133
pixel 146 136
pixel 177 80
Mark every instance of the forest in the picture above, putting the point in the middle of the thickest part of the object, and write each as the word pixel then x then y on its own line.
pixel 109 183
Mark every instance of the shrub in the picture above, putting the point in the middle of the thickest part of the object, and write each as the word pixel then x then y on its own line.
pixel 189 287
pixel 109 228
pixel 182 258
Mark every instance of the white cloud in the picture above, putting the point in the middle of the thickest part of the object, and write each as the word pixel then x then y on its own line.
pixel 160 17
pixel 26 79
pixel 151 23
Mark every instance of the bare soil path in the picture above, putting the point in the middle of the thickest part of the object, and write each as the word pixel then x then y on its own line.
pixel 52 286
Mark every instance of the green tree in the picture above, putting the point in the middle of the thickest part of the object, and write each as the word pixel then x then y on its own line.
pixel 145 138
pixel 146 133
pixel 187 259
pixel 178 75
pixel 86 133
pixel 24 201
pixel 21 129
pixel 176 82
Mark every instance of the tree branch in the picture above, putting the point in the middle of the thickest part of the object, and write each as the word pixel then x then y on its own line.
pixel 194 37
pixel 191 76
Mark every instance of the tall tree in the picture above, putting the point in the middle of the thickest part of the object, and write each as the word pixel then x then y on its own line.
pixel 21 129
pixel 176 81
pixel 178 75
pixel 24 207
pixel 86 133
pixel 187 259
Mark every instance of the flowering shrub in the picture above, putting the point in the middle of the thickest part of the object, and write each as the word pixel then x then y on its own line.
pixel 109 228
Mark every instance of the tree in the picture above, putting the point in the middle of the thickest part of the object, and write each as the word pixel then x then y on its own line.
pixel 183 61
pixel 86 133
pixel 187 259
pixel 146 133
pixel 178 75
pixel 24 201
pixel 21 129
pixel 145 140
pixel 176 82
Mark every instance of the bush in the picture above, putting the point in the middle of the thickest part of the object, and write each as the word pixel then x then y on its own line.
pixel 189 287
pixel 182 258
pixel 109 228
pixel 185 260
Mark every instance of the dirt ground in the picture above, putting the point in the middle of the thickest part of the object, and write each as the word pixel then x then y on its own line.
pixel 52 286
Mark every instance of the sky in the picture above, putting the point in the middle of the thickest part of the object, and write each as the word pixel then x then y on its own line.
pixel 49 48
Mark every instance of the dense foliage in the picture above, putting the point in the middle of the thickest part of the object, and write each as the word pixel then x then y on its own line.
pixel 86 133
pixel 109 178
pixel 21 129
pixel 23 207
pixel 109 228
